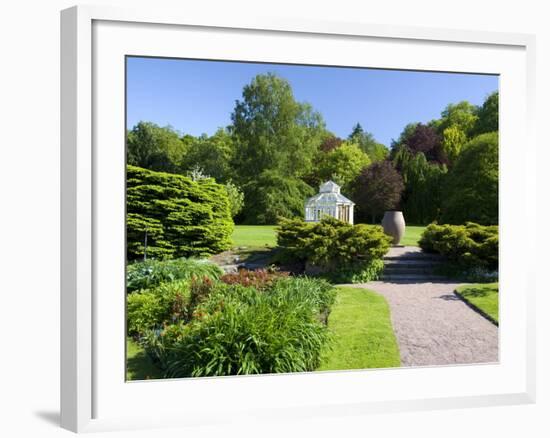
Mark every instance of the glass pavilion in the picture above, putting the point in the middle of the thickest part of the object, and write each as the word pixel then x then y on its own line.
pixel 329 202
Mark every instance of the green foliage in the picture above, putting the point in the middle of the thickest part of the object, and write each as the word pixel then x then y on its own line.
pixel 342 164
pixel 471 188
pixel 155 148
pixel 271 196
pixel 274 131
pixel 276 140
pixel 235 196
pixel 367 143
pixel 378 188
pixel 467 246
pixel 463 115
pixel 421 199
pixel 181 217
pixel 151 273
pixel 487 115
pixel 151 308
pixel 240 330
pixel 213 155
pixel 453 141
pixel 338 249
pixel 357 272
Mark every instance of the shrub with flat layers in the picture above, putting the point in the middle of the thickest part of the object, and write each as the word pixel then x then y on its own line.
pixel 241 330
pixel 145 275
pixel 337 249
pixel 179 216
pixel 470 245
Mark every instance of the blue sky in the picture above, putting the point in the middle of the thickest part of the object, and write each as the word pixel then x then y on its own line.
pixel 197 97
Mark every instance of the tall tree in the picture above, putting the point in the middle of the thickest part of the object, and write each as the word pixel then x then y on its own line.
pixel 423 139
pixel 342 165
pixel 487 115
pixel 422 197
pixel 273 131
pixel 462 114
pixel 471 189
pixel 366 141
pixel 453 141
pixel 155 148
pixel 330 143
pixel 213 155
pixel 377 188
pixel 276 139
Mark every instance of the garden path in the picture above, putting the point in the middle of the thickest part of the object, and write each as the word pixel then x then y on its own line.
pixel 435 327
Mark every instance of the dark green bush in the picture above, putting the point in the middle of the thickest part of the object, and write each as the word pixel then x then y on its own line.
pixel 337 249
pixel 470 245
pixel 144 275
pixel 240 330
pixel 150 309
pixel 181 217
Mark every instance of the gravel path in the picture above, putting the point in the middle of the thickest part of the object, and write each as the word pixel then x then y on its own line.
pixel 434 327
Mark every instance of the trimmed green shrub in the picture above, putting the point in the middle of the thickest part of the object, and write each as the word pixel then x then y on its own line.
pixel 469 246
pixel 150 309
pixel 334 248
pixel 180 217
pixel 240 330
pixel 144 275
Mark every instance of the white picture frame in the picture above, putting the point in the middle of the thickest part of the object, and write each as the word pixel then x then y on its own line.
pixel 94 396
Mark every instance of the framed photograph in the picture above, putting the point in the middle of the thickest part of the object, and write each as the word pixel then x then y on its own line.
pixel 283 219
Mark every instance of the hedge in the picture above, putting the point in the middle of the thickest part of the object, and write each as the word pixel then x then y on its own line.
pixel 181 217
pixel 469 246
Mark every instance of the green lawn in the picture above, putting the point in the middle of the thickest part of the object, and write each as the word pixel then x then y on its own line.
pixel 255 236
pixel 412 235
pixel 138 365
pixel 483 297
pixel 362 332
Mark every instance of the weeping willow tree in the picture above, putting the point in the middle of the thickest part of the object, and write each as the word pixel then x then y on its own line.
pixel 423 180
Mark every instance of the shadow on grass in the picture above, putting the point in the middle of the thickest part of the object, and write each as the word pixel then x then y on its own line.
pixel 141 367
pixel 477 292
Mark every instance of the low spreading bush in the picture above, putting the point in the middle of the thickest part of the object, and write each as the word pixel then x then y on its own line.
pixel 152 308
pixel 334 248
pixel 242 330
pixel 467 246
pixel 150 273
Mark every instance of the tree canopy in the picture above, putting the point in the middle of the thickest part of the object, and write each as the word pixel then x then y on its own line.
pixel 277 150
pixel 377 188
pixel 471 188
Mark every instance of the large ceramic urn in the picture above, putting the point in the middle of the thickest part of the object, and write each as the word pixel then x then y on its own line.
pixel 394 225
